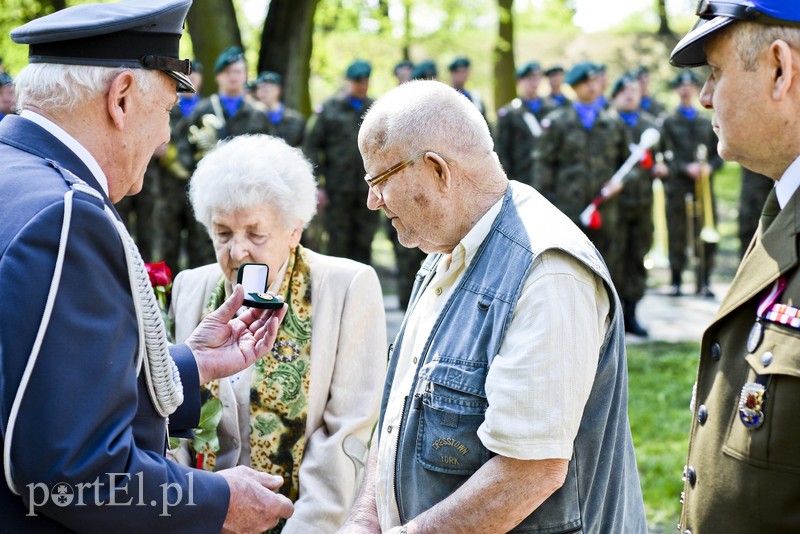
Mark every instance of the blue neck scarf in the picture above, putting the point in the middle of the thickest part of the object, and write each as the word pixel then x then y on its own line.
pixel 630 117
pixel 690 113
pixel 188 103
pixel 587 113
pixel 231 103
pixel 647 103
pixel 601 102
pixel 534 104
pixel 357 103
pixel 276 115
pixel 559 98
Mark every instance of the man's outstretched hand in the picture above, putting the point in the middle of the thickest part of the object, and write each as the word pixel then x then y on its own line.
pixel 224 345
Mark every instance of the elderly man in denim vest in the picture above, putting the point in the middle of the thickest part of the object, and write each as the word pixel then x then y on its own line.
pixel 505 407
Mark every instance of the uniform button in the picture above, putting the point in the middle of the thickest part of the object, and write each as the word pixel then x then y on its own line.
pixel 438 291
pixel 415 359
pixel 389 429
pixel 766 359
pixel 702 414
pixel 687 531
pixel 716 351
pixel 691 476
pixel 236 443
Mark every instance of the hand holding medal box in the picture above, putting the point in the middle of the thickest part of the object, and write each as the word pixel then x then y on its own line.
pixel 254 278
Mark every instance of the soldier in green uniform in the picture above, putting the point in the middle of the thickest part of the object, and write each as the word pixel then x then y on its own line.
pixel 581 149
pixel 602 86
pixel 555 78
pixel 755 189
pixel 403 71
pixel 289 124
pixel 689 134
pixel 224 114
pixel 519 125
pixel 649 102
pixel 743 468
pixel 635 225
pixel 332 145
pixel 459 75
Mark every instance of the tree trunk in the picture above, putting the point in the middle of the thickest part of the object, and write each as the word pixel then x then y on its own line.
pixel 286 44
pixel 213 28
pixel 663 27
pixel 504 81
pixel 407 29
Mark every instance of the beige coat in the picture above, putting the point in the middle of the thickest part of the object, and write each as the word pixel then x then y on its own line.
pixel 348 365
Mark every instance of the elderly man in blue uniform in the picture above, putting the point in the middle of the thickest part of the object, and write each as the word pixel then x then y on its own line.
pixel 87 378
pixel 743 470
pixel 498 414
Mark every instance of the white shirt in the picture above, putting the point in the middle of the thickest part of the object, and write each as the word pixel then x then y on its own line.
pixel 71 143
pixel 788 183
pixel 537 385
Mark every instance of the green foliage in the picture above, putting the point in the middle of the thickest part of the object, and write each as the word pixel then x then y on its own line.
pixel 660 377
pixel 206 431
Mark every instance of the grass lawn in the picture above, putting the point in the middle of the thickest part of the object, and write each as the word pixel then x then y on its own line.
pixel 660 379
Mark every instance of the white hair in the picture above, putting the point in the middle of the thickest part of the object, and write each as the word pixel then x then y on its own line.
pixel 57 87
pixel 254 171
pixel 426 115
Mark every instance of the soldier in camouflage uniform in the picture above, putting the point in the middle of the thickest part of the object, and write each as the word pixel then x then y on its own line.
pixel 686 130
pixel 403 71
pixel 332 145
pixel 7 96
pixel 581 149
pixel 519 125
pixel 649 103
pixel 138 212
pixel 222 115
pixel 555 78
pixel 289 124
pixel 755 188
pixel 459 74
pixel 635 226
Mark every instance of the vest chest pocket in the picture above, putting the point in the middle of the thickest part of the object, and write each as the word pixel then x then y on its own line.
pixel 452 408
pixel 776 444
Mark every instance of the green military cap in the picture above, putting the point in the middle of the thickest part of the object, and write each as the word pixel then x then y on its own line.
pixel 625 79
pixel 528 68
pixel 460 62
pixel 581 72
pixel 717 14
pixel 425 70
pixel 6 79
pixel 140 34
pixel 228 56
pixel 358 70
pixel 268 76
pixel 555 69
pixel 685 76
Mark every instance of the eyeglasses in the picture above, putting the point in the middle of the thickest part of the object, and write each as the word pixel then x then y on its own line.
pixel 373 182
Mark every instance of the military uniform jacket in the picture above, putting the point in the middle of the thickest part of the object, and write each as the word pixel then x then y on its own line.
pixel 575 162
pixel 740 479
pixel 638 190
pixel 85 415
pixel 684 136
pixel 332 144
pixel 517 138
pixel 292 127
pixel 246 120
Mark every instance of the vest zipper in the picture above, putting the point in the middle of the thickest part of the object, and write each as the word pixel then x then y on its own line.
pixel 397 458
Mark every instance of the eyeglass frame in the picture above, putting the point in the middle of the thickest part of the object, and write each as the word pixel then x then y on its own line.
pixel 373 182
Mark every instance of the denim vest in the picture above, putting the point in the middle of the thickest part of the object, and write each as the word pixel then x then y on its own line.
pixel 438 447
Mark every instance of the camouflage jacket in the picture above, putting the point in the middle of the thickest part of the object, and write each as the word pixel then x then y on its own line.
pixel 638 189
pixel 574 163
pixel 516 137
pixel 684 137
pixel 292 127
pixel 332 144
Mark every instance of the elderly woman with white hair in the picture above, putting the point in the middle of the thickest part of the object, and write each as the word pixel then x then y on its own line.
pixel 305 411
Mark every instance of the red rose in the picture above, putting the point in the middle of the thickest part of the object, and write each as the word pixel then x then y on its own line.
pixel 160 274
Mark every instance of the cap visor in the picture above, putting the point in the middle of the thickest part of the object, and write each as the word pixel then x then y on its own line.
pixel 689 52
pixel 184 84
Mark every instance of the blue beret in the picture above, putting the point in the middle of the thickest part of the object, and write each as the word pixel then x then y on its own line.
pixel 555 69
pixel 425 70
pixel 528 68
pixel 140 34
pixel 269 77
pixel 717 14
pixel 6 79
pixel 460 62
pixel 625 79
pixel 358 70
pixel 683 77
pixel 228 56
pixel 581 72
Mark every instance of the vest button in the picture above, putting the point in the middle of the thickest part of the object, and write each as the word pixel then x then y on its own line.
pixel 702 414
pixel 389 429
pixel 438 291
pixel 690 475
pixel 716 351
pixel 766 359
